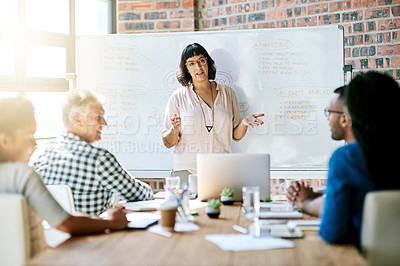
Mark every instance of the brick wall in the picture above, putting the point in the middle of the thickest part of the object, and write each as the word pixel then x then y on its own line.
pixel 157 184
pixel 371 27
pixel 155 16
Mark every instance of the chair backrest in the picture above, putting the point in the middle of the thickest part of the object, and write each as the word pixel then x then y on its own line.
pixel 380 232
pixel 63 195
pixel 14 230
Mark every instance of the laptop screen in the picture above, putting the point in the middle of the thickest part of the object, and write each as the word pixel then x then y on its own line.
pixel 232 170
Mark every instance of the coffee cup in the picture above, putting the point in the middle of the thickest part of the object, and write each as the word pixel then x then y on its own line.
pixel 168 215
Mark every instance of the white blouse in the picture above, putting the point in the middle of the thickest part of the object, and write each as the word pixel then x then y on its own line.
pixel 195 138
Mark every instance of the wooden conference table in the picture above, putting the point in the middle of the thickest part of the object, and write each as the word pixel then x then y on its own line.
pixel 141 247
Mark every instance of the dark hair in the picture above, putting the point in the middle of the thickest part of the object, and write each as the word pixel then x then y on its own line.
pixel 191 50
pixel 15 113
pixel 372 99
pixel 341 91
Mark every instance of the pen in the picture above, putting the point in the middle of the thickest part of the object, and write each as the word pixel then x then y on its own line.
pixel 115 199
pixel 240 229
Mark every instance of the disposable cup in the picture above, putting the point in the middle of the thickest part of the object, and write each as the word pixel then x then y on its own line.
pixel 168 215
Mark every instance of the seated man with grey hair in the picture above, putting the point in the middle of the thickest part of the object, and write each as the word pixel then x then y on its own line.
pixel 93 173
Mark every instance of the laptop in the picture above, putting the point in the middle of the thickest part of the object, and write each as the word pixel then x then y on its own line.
pixel 232 170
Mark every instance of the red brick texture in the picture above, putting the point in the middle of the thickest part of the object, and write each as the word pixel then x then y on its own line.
pixel 371 27
pixel 155 16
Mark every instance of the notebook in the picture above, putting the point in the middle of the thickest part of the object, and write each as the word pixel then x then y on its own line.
pixel 232 170
pixel 141 220
pixel 278 211
pixel 146 205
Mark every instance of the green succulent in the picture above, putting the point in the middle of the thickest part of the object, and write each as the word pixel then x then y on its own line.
pixel 228 192
pixel 214 203
pixel 267 199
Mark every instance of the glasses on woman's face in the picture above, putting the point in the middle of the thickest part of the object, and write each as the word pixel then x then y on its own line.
pixel 201 62
pixel 328 112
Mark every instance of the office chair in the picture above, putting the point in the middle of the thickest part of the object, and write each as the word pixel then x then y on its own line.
pixel 63 195
pixel 14 230
pixel 380 231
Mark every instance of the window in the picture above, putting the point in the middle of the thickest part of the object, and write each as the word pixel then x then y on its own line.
pixel 8 13
pixel 37 44
pixel 47 113
pixel 7 65
pixel 48 15
pixel 37 51
pixel 94 17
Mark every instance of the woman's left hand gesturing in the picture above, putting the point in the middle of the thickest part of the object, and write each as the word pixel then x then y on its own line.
pixel 253 120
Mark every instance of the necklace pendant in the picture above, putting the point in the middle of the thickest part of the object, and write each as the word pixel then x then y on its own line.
pixel 209 128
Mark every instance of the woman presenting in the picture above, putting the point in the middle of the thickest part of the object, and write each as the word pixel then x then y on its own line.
pixel 202 116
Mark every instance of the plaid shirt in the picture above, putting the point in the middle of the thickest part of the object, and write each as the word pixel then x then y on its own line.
pixel 91 172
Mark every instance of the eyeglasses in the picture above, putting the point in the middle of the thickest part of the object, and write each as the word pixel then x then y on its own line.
pixel 328 112
pixel 200 62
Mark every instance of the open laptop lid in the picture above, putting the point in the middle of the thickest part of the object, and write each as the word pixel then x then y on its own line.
pixel 233 170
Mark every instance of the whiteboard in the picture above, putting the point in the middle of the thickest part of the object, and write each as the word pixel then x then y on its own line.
pixel 288 74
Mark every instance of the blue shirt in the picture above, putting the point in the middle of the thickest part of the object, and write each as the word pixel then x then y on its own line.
pixel 348 183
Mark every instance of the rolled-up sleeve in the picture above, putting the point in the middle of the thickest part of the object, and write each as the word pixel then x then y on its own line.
pixel 235 111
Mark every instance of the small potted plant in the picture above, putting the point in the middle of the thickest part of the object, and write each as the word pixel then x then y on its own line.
pixel 227 195
pixel 212 209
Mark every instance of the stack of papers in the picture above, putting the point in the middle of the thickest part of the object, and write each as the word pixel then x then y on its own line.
pixel 147 205
pixel 278 211
pixel 307 225
pixel 266 229
pixel 236 242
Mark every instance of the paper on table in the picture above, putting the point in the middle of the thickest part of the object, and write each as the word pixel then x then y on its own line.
pixel 315 222
pixel 281 215
pixel 236 242
pixel 157 229
pixel 55 237
pixel 159 195
pixel 278 211
pixel 307 225
pixel 279 198
pixel 179 227
pixel 141 220
pixel 276 207
pixel 186 227
pixel 147 205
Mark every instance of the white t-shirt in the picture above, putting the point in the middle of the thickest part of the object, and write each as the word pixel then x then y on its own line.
pixel 19 178
pixel 194 136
